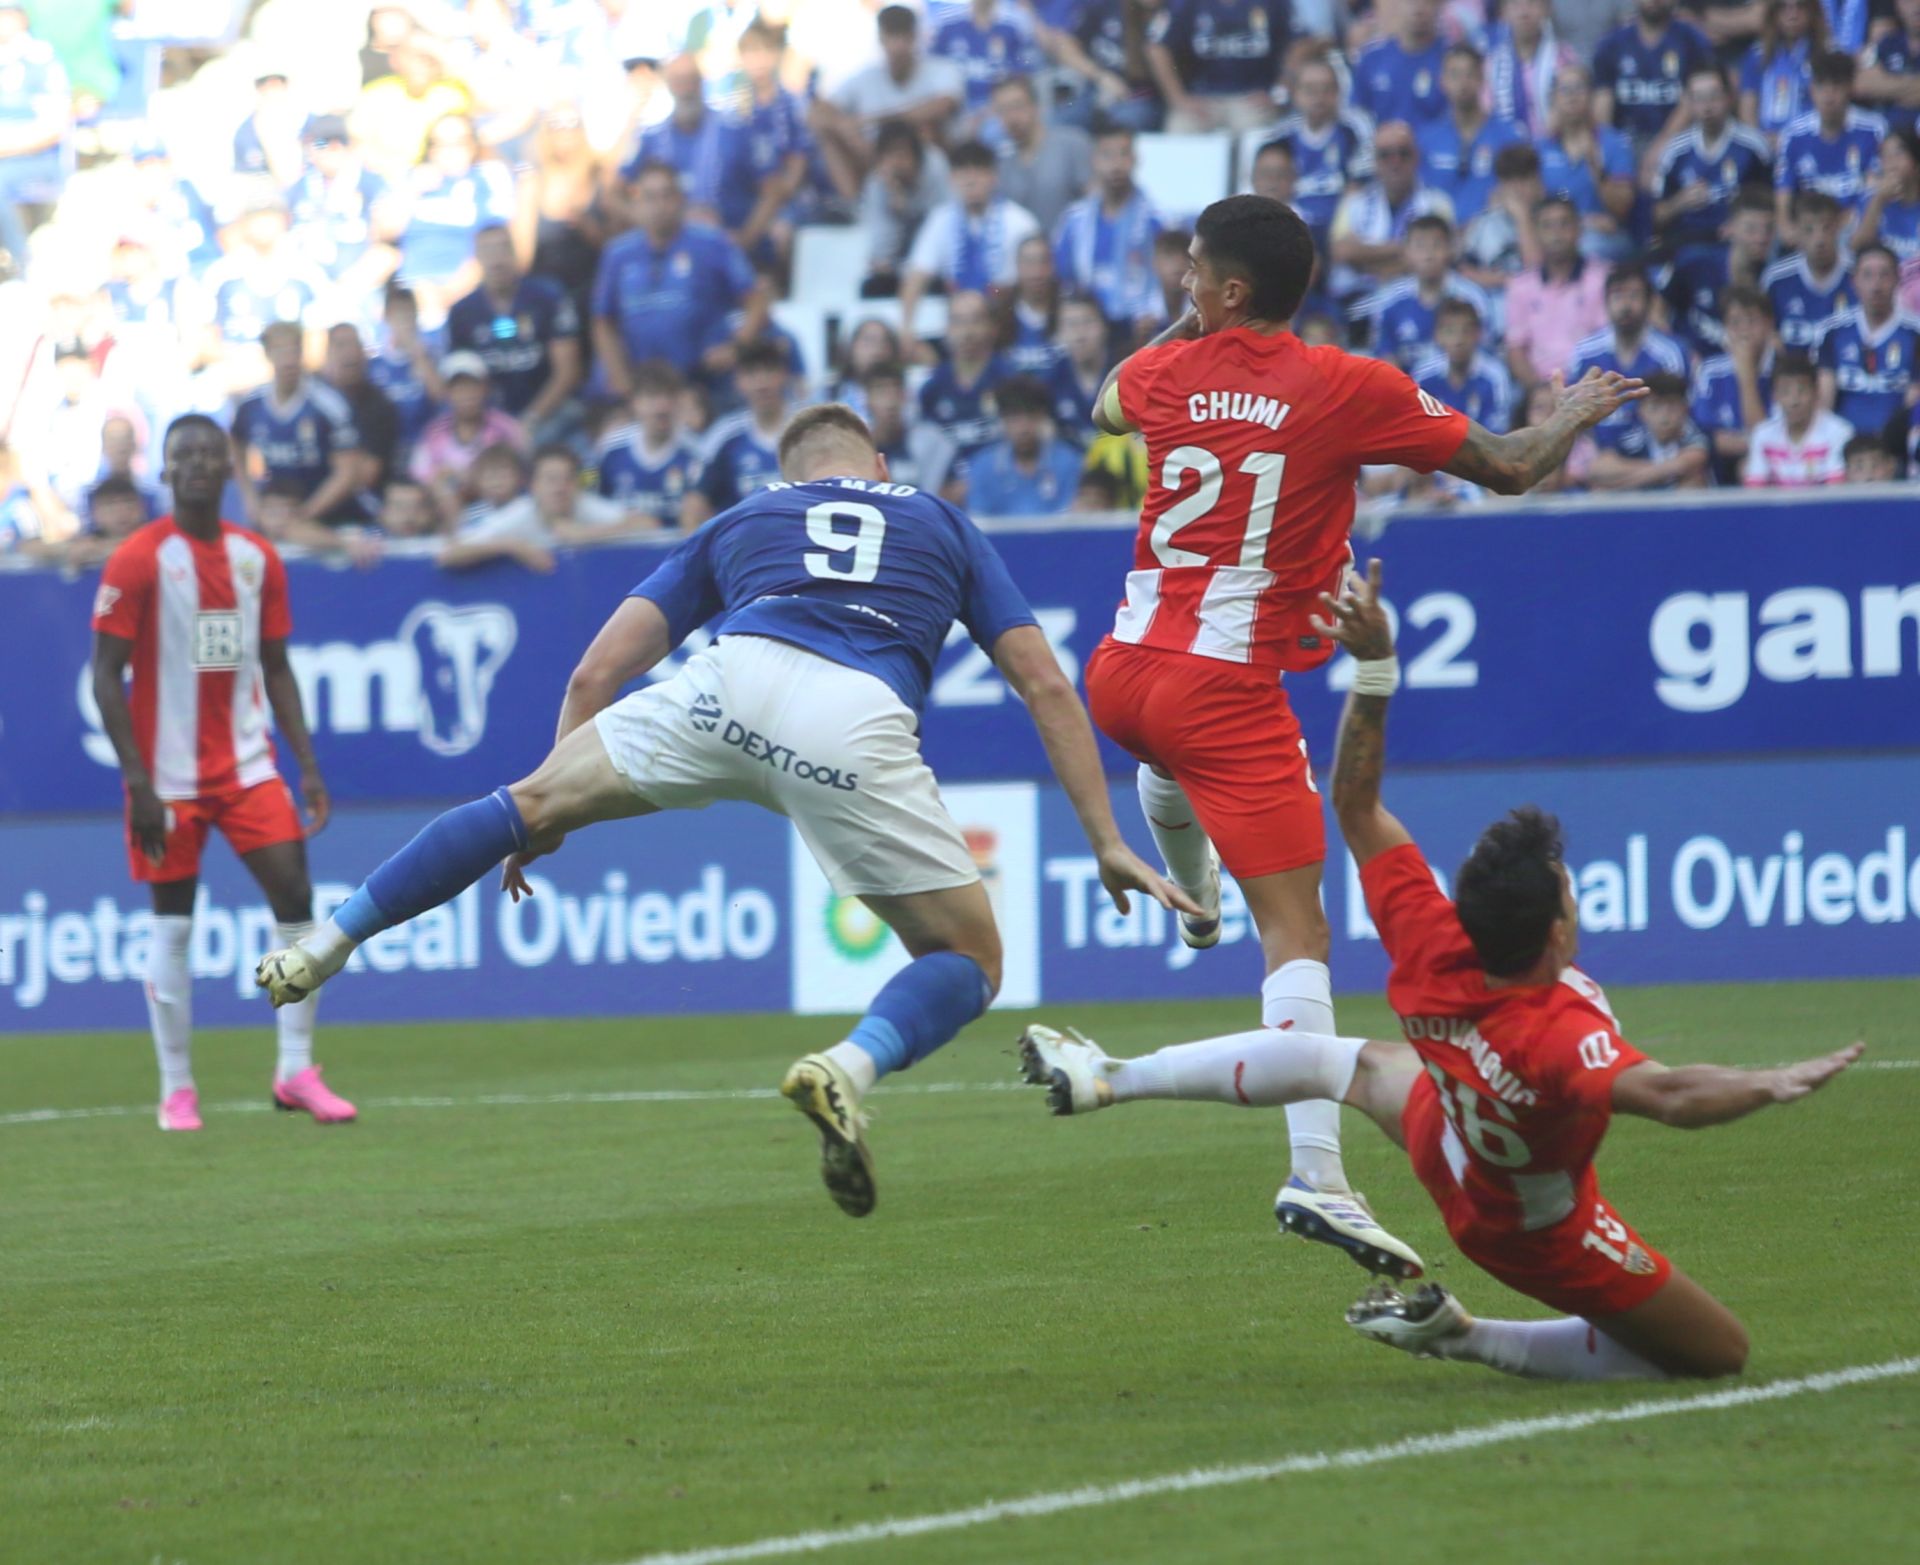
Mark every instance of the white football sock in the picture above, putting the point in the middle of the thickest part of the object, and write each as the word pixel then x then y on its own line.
pixel 1257 1069
pixel 857 1063
pixel 295 1022
pixel 1564 1349
pixel 1298 996
pixel 169 989
pixel 1176 832
pixel 328 944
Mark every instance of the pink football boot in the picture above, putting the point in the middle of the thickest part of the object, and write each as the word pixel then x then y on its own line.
pixel 305 1090
pixel 181 1110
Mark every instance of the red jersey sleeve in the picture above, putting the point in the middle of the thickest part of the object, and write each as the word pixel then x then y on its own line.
pixel 126 587
pixel 276 614
pixel 1405 903
pixel 1136 376
pixel 1586 1054
pixel 1395 421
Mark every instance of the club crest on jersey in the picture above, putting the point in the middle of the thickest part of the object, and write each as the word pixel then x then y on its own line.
pixel 249 572
pixel 1638 1261
pixel 104 600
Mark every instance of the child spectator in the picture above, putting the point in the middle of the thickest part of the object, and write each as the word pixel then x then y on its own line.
pixel 1799 446
pixel 917 453
pixel 650 463
pixel 1869 461
pixel 1030 471
pixel 451 444
pixel 1835 148
pixel 1460 374
pixel 1807 288
pixel 1402 313
pixel 1666 451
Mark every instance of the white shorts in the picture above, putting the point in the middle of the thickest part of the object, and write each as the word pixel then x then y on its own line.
pixel 832 749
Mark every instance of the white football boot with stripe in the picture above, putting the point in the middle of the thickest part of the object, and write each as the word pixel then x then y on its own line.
pixel 1073 1069
pixel 1342 1219
pixel 1414 1323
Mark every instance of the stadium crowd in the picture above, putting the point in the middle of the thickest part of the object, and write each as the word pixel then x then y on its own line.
pixel 524 273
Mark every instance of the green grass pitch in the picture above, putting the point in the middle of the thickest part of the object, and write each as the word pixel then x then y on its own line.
pixel 577 1332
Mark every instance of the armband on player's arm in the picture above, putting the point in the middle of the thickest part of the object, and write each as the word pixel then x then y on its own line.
pixel 1108 415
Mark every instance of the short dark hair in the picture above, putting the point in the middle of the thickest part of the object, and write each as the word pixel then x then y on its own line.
pixel 972 154
pixel 1104 482
pixel 1280 145
pixel 658 377
pixel 1859 445
pixel 502 453
pixel 1430 223
pixel 1834 67
pixel 554 451
pixel 1451 309
pixel 890 370
pixel 1265 244
pixel 655 166
pixel 1746 298
pixel 1022 394
pixel 1813 203
pixel 1753 197
pixel 1020 83
pixel 1518 161
pixel 1465 51
pixel 115 486
pixel 761 353
pixel 763 31
pixel 823 418
pixel 1173 241
pixel 1794 366
pixel 1711 68
pixel 1557 198
pixel 1875 247
pixel 1624 272
pixel 898 20
pixel 898 135
pixel 1664 383
pixel 274 328
pixel 1508 895
pixel 187 421
pixel 399 293
pixel 491 228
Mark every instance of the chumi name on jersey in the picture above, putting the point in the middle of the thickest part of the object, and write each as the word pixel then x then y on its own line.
pixel 1462 1034
pixel 1246 406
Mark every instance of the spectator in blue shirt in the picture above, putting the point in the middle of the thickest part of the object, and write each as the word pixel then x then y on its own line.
pixel 1104 245
pixel 1892 214
pixel 265 276
pixel 405 365
pixel 1088 40
pixel 1733 391
pixel 1640 72
pixel 705 150
pixel 527 330
pixel 342 214
pixel 650 463
pixel 1398 77
pixel 1776 74
pixel 1030 470
pixel 1461 374
pixel 1701 273
pixel 1404 311
pixel 451 195
pixel 742 450
pixel 1666 451
pixel 179 220
pixel 1332 146
pixel 1836 148
pixel 1807 287
pixel 1457 148
pixel 1590 164
pixel 1629 346
pixel 1866 354
pixel 1890 75
pixel 1706 164
pixel 36 116
pixel 1216 61
pixel 300 431
pixel 1086 354
pixel 779 146
pixel 988 41
pixel 269 139
pixel 666 288
pixel 958 396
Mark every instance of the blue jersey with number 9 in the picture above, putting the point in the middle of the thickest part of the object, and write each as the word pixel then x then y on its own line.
pixel 866 574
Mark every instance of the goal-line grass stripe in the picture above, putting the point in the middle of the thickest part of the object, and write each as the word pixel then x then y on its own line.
pixel 1471 1438
pixel 260 1105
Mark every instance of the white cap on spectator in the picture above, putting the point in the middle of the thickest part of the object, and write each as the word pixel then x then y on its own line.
pixel 464 362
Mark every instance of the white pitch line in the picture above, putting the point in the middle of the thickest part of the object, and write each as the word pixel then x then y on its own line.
pixel 543 1099
pixel 1466 1439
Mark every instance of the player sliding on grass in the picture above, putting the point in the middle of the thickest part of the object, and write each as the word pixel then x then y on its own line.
pixel 1255 442
pixel 838 589
pixel 1501 1094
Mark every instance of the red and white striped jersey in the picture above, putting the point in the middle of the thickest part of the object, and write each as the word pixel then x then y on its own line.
pixel 1254 445
pixel 196 614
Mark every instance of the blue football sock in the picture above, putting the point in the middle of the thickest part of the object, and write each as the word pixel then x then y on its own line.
pixel 448 855
pixel 921 1007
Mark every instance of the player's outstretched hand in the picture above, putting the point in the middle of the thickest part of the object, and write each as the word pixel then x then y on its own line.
pixel 1357 618
pixel 1598 394
pixel 1122 870
pixel 313 790
pixel 1793 1082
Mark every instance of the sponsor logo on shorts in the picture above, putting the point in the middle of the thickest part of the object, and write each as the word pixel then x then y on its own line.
pixel 784 758
pixel 705 713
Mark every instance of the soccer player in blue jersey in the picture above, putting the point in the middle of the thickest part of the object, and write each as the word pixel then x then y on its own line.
pixel 1640 72
pixel 1834 149
pixel 741 452
pixel 650 464
pixel 1629 346
pixel 1706 165
pixel 300 431
pixel 1866 353
pixel 1461 374
pixel 1811 285
pixel 1397 77
pixel 838 589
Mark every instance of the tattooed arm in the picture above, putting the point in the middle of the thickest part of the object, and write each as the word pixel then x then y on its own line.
pixel 1359 623
pixel 1513 464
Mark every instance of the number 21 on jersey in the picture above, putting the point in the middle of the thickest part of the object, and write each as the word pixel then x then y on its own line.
pixel 1266 468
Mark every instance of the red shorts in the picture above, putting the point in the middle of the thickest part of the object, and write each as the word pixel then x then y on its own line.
pixel 249 818
pixel 1228 735
pixel 1590 1263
